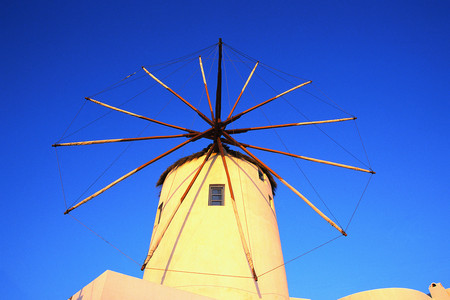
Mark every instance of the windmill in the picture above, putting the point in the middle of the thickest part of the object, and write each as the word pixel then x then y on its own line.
pixel 201 237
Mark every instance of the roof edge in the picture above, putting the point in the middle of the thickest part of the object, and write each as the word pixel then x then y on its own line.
pixel 230 152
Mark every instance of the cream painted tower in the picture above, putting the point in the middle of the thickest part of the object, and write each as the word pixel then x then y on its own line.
pixel 202 250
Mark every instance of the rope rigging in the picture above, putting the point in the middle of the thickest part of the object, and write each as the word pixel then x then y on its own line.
pixel 302 114
pixel 285 146
pixel 215 132
pixel 115 85
pixel 130 144
pixel 295 161
pixel 320 129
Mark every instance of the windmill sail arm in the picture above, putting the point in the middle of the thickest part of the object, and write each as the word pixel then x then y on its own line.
pixel 206 87
pixel 198 136
pixel 123 140
pixel 234 142
pixel 219 85
pixel 242 130
pixel 243 89
pixel 166 226
pixel 139 116
pixel 179 97
pixel 229 120
pixel 310 159
pixel 238 220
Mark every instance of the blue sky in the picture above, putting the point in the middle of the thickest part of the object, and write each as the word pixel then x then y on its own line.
pixel 385 62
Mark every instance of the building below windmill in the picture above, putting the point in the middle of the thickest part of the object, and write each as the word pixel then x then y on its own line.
pixel 215 236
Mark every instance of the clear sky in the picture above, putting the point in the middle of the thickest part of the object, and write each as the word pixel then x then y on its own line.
pixel 386 62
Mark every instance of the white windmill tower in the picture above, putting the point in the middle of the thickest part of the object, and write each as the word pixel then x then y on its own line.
pixel 215 232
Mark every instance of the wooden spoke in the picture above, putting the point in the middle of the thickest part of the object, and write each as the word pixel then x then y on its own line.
pixel 139 116
pixel 124 140
pixel 179 97
pixel 231 119
pixel 206 87
pixel 219 84
pixel 243 89
pixel 236 214
pixel 310 159
pixel 158 241
pixel 242 130
pixel 196 137
pixel 234 142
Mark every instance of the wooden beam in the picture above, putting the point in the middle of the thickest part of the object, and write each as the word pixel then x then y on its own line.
pixel 206 87
pixel 166 226
pixel 219 84
pixel 243 89
pixel 242 130
pixel 310 159
pixel 179 97
pixel 231 119
pixel 234 142
pixel 236 214
pixel 123 140
pixel 139 116
pixel 198 136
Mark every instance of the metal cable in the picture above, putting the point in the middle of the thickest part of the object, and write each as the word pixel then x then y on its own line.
pixel 128 146
pixel 336 106
pixel 303 254
pixel 357 205
pixel 362 143
pixel 60 177
pixel 106 241
pixel 198 273
pixel 128 100
pixel 114 85
pixel 295 161
pixel 71 122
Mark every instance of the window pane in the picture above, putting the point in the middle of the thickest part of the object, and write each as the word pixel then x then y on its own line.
pixel 216 194
pixel 260 174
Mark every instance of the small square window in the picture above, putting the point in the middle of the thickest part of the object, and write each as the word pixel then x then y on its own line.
pixel 260 174
pixel 216 195
pixel 271 203
pixel 158 214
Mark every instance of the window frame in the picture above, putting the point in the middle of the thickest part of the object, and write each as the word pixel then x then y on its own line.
pixel 260 174
pixel 271 204
pixel 210 196
pixel 159 212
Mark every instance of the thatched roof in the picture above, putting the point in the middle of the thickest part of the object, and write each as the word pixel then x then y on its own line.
pixel 230 152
